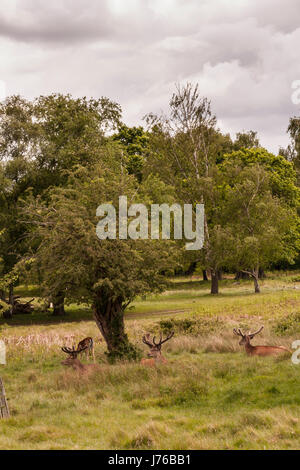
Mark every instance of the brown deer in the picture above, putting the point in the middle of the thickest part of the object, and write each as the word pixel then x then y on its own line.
pixel 88 346
pixel 257 350
pixel 74 362
pixel 155 356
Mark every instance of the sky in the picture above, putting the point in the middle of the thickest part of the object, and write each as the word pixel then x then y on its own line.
pixel 244 54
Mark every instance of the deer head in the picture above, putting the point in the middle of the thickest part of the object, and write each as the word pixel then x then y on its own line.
pixel 72 356
pixel 155 348
pixel 246 338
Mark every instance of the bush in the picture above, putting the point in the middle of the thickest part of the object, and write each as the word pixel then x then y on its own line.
pixel 192 326
pixel 126 351
pixel 288 324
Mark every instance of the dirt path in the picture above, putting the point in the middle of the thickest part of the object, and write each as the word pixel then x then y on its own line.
pixel 135 315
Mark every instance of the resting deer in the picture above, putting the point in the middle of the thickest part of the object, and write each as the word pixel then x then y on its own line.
pixel 88 346
pixel 74 362
pixel 155 355
pixel 257 350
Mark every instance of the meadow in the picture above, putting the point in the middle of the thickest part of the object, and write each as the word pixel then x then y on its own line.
pixel 209 395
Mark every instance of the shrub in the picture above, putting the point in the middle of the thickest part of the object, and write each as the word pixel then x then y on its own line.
pixel 288 324
pixel 192 326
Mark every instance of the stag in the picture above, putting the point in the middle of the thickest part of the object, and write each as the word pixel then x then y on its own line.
pixel 74 362
pixel 155 356
pixel 257 350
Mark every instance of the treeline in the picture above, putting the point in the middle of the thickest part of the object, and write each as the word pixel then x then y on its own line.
pixel 62 157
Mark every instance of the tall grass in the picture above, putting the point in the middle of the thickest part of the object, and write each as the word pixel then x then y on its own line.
pixel 209 395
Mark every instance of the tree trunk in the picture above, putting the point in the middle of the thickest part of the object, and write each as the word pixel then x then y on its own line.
pixel 59 304
pixel 191 269
pixel 255 275
pixel 241 275
pixel 214 283
pixel 8 313
pixel 256 286
pixel 261 274
pixel 204 273
pixel 11 295
pixel 109 317
pixel 220 275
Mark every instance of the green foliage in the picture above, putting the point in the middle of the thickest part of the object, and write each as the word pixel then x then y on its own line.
pixel 282 175
pixel 246 140
pixel 125 351
pixel 40 142
pixel 193 325
pixel 135 142
pixel 122 268
pixel 288 324
pixel 108 274
pixel 292 153
pixel 265 229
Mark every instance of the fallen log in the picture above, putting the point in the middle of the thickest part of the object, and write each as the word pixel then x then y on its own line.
pixel 22 308
pixel 17 308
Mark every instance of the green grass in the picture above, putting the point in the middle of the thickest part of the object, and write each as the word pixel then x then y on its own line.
pixel 210 395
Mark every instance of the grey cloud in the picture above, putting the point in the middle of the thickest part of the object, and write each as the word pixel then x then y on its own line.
pixel 58 22
pixel 243 54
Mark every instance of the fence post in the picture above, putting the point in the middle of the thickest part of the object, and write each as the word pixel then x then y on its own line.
pixel 4 411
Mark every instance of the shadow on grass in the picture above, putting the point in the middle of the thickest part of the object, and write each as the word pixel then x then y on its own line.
pixel 39 318
pixel 178 284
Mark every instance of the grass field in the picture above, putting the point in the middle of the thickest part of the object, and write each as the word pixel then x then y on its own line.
pixel 210 395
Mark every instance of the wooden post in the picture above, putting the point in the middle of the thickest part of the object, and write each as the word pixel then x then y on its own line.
pixel 4 411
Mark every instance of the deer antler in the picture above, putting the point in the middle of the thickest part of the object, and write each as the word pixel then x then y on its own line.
pixel 256 332
pixel 162 341
pixel 68 350
pixel 72 351
pixel 146 340
pixel 238 332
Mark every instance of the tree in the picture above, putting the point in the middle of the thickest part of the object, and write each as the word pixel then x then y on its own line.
pixel 185 148
pixel 263 226
pixel 185 136
pixel 135 142
pixel 18 144
pixel 282 178
pixel 221 246
pixel 108 274
pixel 71 132
pixel 282 175
pixel 292 153
pixel 40 142
pixel 246 140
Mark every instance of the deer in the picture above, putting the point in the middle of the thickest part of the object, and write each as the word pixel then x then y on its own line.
pixel 155 356
pixel 257 350
pixel 88 345
pixel 74 362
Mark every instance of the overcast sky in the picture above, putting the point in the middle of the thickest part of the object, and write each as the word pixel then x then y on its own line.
pixel 243 53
